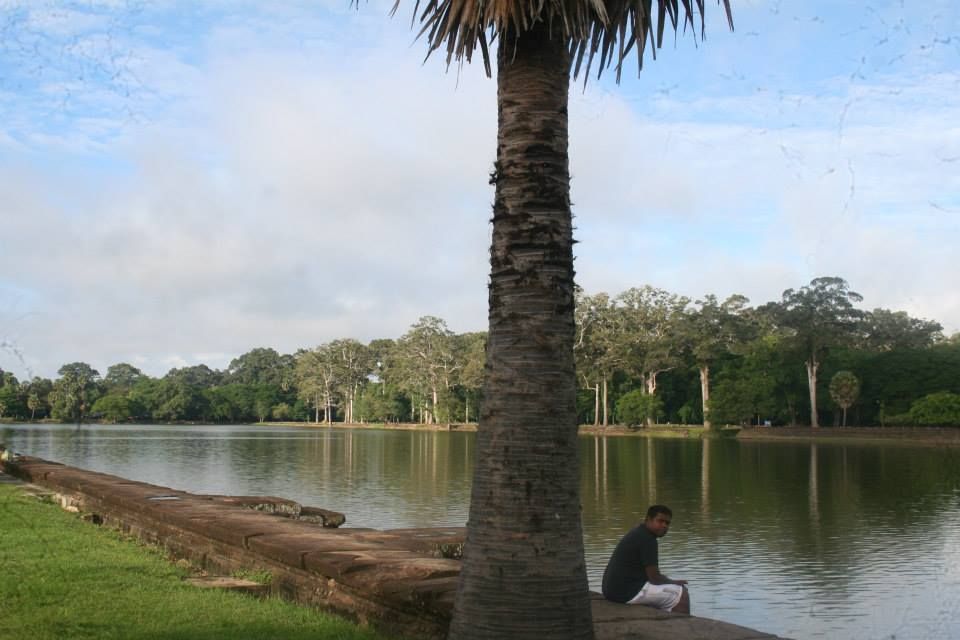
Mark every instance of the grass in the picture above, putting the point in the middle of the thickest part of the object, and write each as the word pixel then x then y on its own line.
pixel 62 578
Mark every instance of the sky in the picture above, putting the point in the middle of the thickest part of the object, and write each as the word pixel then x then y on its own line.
pixel 182 182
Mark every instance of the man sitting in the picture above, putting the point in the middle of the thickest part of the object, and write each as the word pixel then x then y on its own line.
pixel 633 575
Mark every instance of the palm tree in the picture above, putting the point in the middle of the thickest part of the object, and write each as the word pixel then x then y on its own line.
pixel 524 574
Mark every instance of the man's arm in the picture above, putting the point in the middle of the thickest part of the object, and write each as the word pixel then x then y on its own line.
pixel 655 577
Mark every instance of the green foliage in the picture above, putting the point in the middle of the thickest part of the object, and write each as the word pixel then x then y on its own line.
pixel 75 392
pixel 816 318
pixel 885 330
pixel 760 384
pixel 112 408
pixel 281 412
pixel 121 378
pixel 260 366
pixel 844 389
pixel 11 402
pixel 937 409
pixel 637 407
pixel 893 380
pixel 260 577
pixel 641 338
pixel 686 413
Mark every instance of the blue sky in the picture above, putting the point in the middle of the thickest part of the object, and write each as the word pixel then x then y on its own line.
pixel 181 182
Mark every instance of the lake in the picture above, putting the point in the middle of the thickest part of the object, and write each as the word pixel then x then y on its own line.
pixel 802 540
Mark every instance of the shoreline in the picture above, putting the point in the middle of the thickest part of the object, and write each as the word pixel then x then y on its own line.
pixel 925 436
pixel 904 435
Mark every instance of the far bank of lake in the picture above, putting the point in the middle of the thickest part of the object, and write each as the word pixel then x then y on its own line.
pixel 905 435
pixel 930 436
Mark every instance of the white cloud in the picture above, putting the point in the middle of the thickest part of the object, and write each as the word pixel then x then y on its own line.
pixel 297 207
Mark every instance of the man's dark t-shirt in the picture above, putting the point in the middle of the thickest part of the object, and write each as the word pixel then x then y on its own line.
pixel 626 572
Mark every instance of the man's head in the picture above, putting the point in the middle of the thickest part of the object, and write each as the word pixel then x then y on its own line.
pixel 658 520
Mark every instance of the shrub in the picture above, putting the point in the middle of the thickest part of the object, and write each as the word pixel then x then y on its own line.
pixel 937 409
pixel 636 407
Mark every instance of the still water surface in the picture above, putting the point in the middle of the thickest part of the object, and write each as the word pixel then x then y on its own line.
pixel 802 540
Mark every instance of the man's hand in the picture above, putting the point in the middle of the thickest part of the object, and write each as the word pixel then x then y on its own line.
pixel 655 577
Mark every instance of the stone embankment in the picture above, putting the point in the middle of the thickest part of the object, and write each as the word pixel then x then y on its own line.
pixel 400 581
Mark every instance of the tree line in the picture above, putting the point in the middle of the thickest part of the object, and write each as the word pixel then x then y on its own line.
pixel 643 356
pixel 428 375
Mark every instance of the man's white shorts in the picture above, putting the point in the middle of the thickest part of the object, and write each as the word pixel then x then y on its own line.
pixel 661 596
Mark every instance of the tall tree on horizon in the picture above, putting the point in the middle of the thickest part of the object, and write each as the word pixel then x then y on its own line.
pixel 820 316
pixel 710 330
pixel 524 573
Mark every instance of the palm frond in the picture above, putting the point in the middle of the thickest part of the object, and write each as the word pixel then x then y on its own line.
pixel 610 29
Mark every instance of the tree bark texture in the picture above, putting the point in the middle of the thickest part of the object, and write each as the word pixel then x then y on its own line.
pixel 606 404
pixel 812 366
pixel 524 574
pixel 650 381
pixel 596 404
pixel 705 395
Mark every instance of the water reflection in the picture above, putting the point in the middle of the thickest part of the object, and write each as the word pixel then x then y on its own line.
pixel 804 540
pixel 814 489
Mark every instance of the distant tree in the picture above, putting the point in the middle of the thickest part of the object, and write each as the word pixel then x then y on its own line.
pixel 821 316
pixel 885 330
pixel 469 351
pixel 38 396
pixel 281 412
pixel 121 378
pixel 711 330
pixel 199 376
pixel 844 389
pixel 8 400
pixel 651 321
pixel 316 379
pixel 426 362
pixel 599 348
pixel 112 407
pixel 262 408
pixel 381 403
pixel 230 403
pixel 259 366
pixel 34 403
pixel 144 398
pixel 351 366
pixel 182 394
pixel 637 407
pixel 75 391
pixel 7 379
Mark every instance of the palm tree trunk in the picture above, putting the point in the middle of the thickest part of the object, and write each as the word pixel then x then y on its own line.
pixel 524 574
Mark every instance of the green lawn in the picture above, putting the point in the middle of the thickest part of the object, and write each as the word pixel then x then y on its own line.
pixel 62 578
